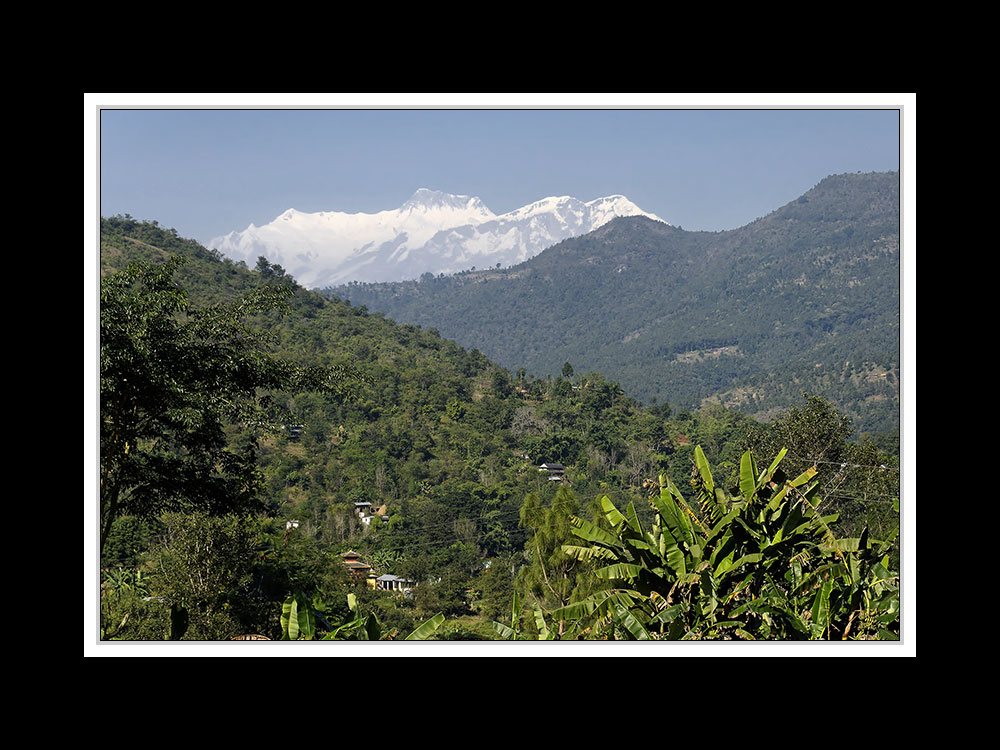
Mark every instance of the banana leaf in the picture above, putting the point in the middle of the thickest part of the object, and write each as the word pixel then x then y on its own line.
pixel 631 624
pixel 748 476
pixel 544 634
pixel 704 470
pixel 508 634
pixel 612 513
pixel 626 571
pixel 821 610
pixel 632 518
pixel 427 629
pixel 766 476
pixel 591 533
pixel 586 553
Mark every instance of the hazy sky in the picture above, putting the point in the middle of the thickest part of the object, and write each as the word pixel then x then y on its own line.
pixel 205 172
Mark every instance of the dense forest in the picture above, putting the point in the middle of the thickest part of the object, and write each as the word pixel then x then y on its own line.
pixel 805 298
pixel 279 464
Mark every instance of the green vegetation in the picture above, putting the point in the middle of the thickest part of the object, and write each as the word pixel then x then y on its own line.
pixel 269 431
pixel 758 561
pixel 806 298
pixel 172 379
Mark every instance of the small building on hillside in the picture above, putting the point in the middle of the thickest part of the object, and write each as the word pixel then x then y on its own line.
pixel 359 570
pixel 389 582
pixel 366 514
pixel 556 472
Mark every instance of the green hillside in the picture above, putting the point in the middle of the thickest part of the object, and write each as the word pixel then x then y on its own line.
pixel 444 442
pixel 804 299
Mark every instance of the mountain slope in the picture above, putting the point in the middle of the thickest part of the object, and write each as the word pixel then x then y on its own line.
pixel 439 435
pixel 806 298
pixel 432 232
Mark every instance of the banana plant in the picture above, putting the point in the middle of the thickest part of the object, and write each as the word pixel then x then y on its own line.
pixel 121 588
pixel 863 600
pixel 514 632
pixel 361 628
pixel 426 629
pixel 298 618
pixel 749 564
pixel 125 580
pixel 299 615
pixel 511 632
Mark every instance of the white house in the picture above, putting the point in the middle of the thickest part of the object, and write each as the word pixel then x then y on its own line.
pixel 557 472
pixel 389 582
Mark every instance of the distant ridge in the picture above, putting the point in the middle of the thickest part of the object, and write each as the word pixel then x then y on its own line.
pixel 432 232
pixel 806 298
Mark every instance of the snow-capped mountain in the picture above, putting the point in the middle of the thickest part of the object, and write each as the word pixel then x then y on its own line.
pixel 432 232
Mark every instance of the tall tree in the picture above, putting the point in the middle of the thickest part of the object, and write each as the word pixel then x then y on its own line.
pixel 859 481
pixel 173 379
pixel 551 576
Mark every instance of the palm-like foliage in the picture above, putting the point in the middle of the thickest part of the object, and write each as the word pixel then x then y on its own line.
pixel 758 561
pixel 514 631
pixel 299 616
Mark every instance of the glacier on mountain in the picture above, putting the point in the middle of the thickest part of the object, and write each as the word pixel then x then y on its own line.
pixel 433 232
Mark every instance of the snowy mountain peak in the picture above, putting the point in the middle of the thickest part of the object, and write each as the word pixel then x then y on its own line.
pixel 433 231
pixel 425 200
pixel 436 198
pixel 614 200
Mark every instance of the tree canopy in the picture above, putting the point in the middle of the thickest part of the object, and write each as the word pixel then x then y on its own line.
pixel 183 394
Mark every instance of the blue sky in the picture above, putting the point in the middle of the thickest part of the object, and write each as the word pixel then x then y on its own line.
pixel 205 172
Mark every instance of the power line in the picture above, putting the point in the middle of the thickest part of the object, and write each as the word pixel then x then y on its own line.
pixel 844 464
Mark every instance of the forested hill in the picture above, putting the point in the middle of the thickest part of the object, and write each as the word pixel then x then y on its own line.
pixel 804 299
pixel 431 418
pixel 442 441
